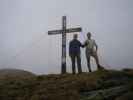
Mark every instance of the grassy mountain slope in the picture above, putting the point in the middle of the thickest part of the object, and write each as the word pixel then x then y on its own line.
pixel 12 73
pixel 67 86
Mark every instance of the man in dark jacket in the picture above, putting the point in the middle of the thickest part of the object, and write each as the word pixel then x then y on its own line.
pixel 74 53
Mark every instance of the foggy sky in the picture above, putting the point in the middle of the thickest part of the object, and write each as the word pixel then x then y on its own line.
pixel 25 44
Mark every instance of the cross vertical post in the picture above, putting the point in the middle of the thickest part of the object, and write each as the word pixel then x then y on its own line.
pixel 63 63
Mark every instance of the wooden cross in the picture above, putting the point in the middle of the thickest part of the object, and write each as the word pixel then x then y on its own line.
pixel 63 31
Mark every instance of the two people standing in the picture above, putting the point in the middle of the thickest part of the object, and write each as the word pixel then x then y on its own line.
pixel 74 52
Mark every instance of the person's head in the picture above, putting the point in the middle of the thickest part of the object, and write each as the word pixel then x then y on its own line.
pixel 75 36
pixel 89 35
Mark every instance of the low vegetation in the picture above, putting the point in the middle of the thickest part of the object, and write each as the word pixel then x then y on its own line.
pixel 68 86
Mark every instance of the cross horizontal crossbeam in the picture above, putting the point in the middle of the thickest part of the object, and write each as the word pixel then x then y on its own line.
pixel 70 30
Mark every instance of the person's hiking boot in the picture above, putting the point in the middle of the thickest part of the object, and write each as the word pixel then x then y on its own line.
pixel 90 70
pixel 79 72
pixel 100 67
pixel 73 73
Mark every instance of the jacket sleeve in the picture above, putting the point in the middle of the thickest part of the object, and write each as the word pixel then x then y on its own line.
pixel 80 44
pixel 84 44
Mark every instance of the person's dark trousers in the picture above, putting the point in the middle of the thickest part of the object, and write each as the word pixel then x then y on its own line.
pixel 73 63
pixel 79 63
pixel 88 63
pixel 76 57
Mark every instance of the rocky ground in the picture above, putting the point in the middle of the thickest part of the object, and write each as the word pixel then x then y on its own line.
pixel 98 85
